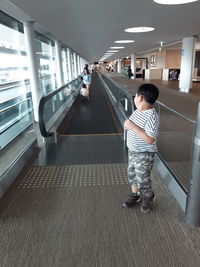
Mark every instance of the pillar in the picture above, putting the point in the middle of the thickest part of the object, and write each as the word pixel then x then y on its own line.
pixel 133 64
pixel 75 65
pixel 69 64
pixel 119 69
pixel 59 70
pixel 33 66
pixel 187 64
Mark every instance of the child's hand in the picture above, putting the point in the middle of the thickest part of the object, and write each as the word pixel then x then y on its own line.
pixel 128 125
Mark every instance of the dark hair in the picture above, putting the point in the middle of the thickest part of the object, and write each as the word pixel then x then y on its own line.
pixel 149 91
pixel 83 85
pixel 87 71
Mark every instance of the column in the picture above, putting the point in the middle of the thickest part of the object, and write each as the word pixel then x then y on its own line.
pixel 119 69
pixel 59 70
pixel 78 64
pixel 75 65
pixel 187 63
pixel 69 64
pixel 81 65
pixel 33 66
pixel 133 64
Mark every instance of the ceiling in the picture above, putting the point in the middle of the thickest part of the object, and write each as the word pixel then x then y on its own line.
pixel 91 27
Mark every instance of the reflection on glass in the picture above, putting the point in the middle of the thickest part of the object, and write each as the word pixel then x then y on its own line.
pixel 13 59
pixel 47 65
pixel 55 105
pixel 16 112
pixel 175 144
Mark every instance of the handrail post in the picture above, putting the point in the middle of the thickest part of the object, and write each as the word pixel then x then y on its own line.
pixel 126 108
pixel 193 198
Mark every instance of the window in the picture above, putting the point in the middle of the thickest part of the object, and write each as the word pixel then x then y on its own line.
pixel 47 67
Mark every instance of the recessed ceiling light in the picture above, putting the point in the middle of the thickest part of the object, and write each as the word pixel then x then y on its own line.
pixel 140 29
pixel 124 41
pixel 117 47
pixel 113 51
pixel 174 2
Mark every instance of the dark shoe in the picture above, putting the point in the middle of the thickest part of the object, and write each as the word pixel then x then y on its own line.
pixel 131 201
pixel 147 203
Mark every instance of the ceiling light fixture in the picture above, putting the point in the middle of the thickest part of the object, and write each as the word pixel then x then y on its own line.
pixel 112 51
pixel 174 2
pixel 124 41
pixel 140 29
pixel 117 47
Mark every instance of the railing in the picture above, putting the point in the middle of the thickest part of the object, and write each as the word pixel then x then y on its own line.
pixel 54 104
pixel 120 96
pixel 178 149
pixel 48 83
pixel 175 143
pixel 16 111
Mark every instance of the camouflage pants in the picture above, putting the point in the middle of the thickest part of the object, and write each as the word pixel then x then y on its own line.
pixel 140 165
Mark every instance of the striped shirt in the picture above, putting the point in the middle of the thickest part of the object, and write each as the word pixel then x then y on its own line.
pixel 147 120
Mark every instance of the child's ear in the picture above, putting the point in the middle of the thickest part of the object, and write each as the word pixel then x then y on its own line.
pixel 140 98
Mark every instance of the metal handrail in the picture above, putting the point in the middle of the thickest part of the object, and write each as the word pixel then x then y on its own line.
pixel 121 88
pixel 43 100
pixel 176 112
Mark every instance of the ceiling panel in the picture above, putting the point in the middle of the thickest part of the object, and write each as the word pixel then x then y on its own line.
pixel 90 27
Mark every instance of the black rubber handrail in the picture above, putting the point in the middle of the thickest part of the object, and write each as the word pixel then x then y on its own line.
pixel 122 89
pixel 43 100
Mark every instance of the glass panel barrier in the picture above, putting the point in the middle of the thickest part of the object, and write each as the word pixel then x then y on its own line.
pixel 16 113
pixel 175 140
pixel 175 144
pixel 48 84
pixel 52 105
pixel 121 96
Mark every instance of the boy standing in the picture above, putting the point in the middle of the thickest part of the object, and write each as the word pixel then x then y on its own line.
pixel 142 126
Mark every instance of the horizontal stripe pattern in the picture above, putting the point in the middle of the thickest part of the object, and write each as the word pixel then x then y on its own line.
pixel 149 121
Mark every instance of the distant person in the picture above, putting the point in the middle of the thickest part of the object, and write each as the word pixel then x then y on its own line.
pixel 142 131
pixel 84 92
pixel 86 77
pixel 130 74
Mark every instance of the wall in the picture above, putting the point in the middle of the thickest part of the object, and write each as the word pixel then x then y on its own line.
pixel 160 59
pixel 173 59
pixel 166 59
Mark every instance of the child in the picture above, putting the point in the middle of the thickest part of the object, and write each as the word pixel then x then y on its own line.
pixel 84 92
pixel 142 126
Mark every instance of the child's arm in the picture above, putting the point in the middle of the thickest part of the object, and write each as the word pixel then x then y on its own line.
pixel 129 125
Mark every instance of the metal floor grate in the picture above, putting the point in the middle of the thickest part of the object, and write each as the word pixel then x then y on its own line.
pixel 74 175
